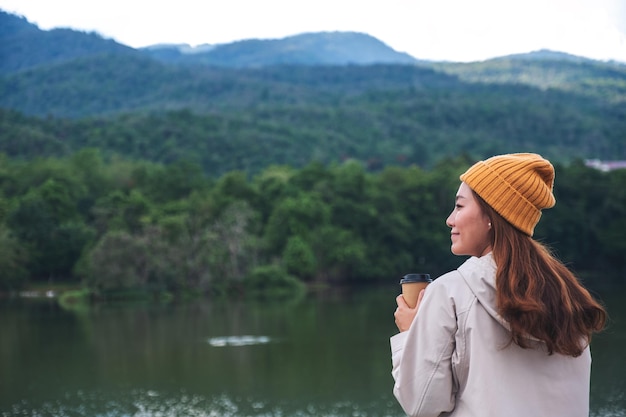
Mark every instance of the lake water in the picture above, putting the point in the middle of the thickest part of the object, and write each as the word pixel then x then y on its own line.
pixel 325 355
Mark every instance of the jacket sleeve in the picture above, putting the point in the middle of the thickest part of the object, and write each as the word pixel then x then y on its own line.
pixel 422 357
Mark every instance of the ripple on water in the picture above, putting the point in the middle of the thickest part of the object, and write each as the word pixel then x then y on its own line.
pixel 151 403
pixel 613 407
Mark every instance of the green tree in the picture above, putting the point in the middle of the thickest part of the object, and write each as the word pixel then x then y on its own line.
pixel 120 210
pixel 273 184
pixel 271 281
pixel 340 254
pixel 234 186
pixel 571 227
pixel 299 259
pixel 47 222
pixel 13 262
pixel 118 261
pixel 295 216
pixel 613 223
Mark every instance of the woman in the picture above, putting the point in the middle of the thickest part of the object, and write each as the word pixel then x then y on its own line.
pixel 508 332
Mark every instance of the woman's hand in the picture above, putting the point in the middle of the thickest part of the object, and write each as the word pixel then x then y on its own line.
pixel 404 314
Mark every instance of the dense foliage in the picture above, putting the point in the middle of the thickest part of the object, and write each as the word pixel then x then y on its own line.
pixel 131 224
pixel 123 171
pixel 581 76
pixel 329 116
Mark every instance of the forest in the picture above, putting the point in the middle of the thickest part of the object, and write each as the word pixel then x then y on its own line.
pixel 123 170
pixel 117 224
pixel 252 127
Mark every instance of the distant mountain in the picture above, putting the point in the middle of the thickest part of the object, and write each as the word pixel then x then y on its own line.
pixel 170 52
pixel 321 48
pixel 545 55
pixel 23 45
pixel 183 48
pixel 547 70
pixel 11 25
pixel 67 73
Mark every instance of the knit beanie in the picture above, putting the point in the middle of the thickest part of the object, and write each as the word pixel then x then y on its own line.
pixel 517 186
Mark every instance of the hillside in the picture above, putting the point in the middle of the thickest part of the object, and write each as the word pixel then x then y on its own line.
pixel 412 125
pixel 23 45
pixel 234 112
pixel 323 48
pixel 547 70
pixel 113 84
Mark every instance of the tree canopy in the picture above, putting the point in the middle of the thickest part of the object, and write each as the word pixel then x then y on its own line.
pixel 123 224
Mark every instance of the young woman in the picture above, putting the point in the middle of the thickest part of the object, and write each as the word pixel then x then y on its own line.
pixel 508 332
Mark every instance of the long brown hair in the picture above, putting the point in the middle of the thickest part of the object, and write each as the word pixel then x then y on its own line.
pixel 538 295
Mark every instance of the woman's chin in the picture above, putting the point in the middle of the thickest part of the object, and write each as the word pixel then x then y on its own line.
pixel 457 251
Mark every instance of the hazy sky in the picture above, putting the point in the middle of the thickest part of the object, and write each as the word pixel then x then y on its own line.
pixel 454 30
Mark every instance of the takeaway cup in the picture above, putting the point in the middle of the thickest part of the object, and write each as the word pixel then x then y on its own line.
pixel 412 284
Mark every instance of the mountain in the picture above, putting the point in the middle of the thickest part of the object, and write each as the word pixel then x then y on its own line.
pixel 25 46
pixel 321 48
pixel 175 53
pixel 115 83
pixel 545 55
pixel 183 48
pixel 547 70
pixel 253 103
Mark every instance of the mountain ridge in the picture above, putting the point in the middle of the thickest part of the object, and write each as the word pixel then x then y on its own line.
pixel 24 46
pixel 18 36
pixel 315 48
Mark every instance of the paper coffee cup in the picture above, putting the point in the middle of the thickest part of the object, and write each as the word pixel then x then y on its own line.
pixel 412 284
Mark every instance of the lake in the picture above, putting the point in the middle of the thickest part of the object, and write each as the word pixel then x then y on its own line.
pixel 323 355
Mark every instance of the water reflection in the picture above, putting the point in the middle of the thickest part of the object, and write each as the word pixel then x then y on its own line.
pixel 246 340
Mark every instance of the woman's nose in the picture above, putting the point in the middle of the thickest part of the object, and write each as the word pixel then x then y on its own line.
pixel 450 220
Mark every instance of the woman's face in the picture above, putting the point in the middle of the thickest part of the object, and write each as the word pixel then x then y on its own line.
pixel 470 226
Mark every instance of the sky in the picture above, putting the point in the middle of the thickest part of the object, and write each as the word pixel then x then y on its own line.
pixel 440 30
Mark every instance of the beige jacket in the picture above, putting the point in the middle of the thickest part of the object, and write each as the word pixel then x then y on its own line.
pixel 456 359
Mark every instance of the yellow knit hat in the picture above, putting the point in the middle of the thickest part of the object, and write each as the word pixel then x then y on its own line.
pixel 517 186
